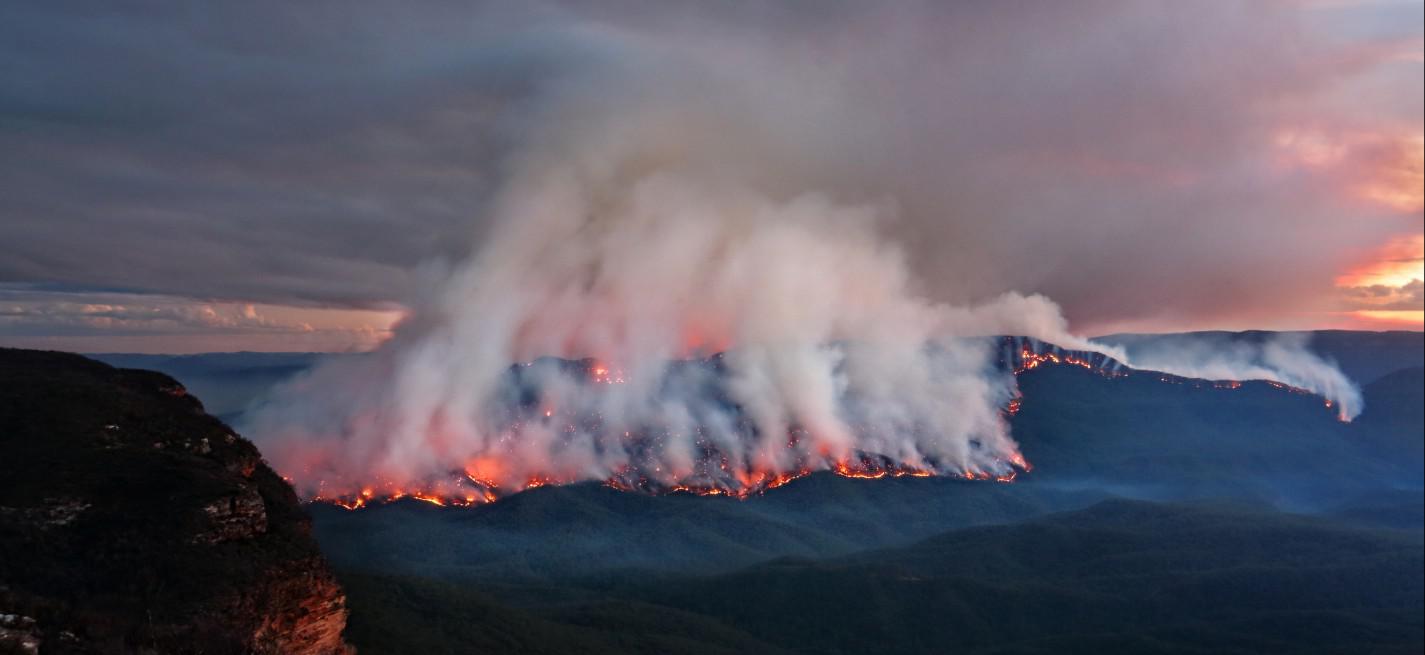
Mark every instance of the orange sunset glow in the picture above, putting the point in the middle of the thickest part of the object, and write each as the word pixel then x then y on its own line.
pixel 1378 289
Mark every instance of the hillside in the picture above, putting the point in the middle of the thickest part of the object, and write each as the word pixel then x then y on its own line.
pixel 1117 577
pixel 1089 437
pixel 1262 524
pixel 1391 423
pixel 1120 576
pixel 130 520
pixel 833 565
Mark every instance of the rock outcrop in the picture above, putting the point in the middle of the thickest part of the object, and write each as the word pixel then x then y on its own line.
pixel 132 521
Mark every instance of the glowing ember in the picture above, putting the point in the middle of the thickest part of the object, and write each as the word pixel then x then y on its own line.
pixel 602 374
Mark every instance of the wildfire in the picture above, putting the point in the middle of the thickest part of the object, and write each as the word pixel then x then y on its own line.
pixel 1288 388
pixel 470 490
pixel 452 495
pixel 601 374
pixel 845 470
pixel 487 478
pixel 429 498
pixel 1026 355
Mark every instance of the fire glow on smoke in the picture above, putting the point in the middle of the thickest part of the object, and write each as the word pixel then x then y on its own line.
pixel 485 479
pixel 825 361
pixel 701 302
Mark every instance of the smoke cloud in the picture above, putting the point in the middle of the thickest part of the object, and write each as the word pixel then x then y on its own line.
pixel 1283 358
pixel 678 201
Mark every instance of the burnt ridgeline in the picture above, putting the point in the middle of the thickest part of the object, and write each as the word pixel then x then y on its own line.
pixel 132 521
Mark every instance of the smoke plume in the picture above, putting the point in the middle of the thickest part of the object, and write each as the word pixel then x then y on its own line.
pixel 662 209
pixel 1283 358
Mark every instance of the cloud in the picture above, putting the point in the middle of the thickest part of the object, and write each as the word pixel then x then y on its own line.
pixel 87 320
pixel 1383 297
pixel 1119 157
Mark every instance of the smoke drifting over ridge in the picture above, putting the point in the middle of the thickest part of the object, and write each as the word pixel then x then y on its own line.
pixel 1283 358
pixel 677 199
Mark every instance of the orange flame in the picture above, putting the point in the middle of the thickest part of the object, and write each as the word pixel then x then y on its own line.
pixel 485 479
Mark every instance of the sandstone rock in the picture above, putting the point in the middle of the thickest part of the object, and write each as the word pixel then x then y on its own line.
pixel 133 522
pixel 235 516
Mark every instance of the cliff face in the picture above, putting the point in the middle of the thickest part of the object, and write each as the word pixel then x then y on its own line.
pixel 132 521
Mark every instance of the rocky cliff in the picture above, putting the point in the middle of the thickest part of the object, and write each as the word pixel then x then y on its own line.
pixel 132 521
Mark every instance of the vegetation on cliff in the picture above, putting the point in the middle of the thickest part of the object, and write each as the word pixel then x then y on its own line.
pixel 131 520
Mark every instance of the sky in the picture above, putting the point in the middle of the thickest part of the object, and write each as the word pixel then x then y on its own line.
pixel 291 177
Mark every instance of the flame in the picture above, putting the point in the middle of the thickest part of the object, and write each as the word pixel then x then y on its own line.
pixel 469 490
pixel 429 498
pixel 1029 359
pixel 603 374
pixel 485 479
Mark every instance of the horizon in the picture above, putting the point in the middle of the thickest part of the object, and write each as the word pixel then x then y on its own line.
pixel 368 350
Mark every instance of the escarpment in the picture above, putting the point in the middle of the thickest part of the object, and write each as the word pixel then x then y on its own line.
pixel 132 521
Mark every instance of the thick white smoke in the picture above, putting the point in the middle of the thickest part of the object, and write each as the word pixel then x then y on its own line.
pixel 1283 358
pixel 657 214
pixel 814 310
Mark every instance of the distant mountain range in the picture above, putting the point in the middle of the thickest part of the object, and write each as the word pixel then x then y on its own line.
pixel 228 382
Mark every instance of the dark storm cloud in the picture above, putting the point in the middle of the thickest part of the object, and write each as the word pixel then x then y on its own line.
pixel 1140 163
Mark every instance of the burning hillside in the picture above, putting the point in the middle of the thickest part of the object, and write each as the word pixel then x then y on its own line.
pixel 729 455
pixel 687 320
pixel 712 470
